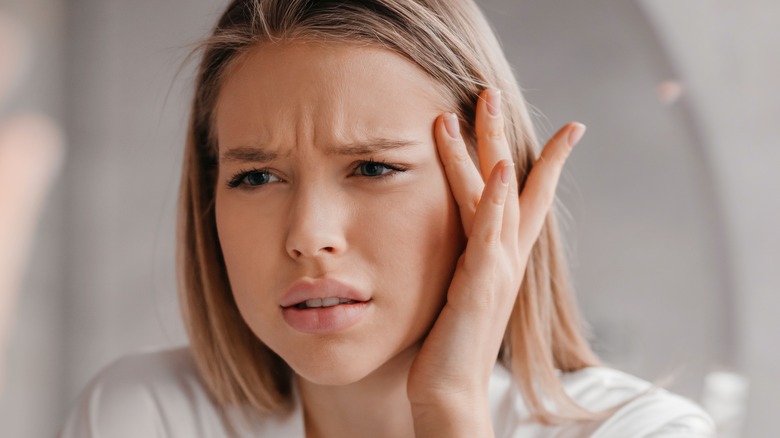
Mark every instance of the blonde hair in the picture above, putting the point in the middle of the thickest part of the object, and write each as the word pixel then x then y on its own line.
pixel 453 43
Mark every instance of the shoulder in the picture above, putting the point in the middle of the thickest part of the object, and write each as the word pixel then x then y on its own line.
pixel 151 394
pixel 643 410
pixel 646 411
pixel 164 372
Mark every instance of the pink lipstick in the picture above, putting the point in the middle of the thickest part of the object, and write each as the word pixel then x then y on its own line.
pixel 323 306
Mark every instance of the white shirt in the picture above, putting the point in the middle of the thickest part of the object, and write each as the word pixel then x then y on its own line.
pixel 160 394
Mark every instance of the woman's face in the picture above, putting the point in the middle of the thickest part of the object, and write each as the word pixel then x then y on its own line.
pixel 330 191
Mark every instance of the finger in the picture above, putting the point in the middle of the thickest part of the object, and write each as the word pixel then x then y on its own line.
pixel 511 225
pixel 485 243
pixel 463 177
pixel 492 147
pixel 539 191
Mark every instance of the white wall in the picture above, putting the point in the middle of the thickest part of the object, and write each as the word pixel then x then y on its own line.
pixel 101 282
pixel 728 53
pixel 29 400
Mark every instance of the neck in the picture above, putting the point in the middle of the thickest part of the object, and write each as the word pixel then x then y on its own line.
pixel 376 405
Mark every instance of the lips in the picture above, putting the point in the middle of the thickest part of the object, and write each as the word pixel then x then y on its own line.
pixel 305 293
pixel 316 303
pixel 323 306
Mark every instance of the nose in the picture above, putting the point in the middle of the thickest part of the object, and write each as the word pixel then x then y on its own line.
pixel 316 225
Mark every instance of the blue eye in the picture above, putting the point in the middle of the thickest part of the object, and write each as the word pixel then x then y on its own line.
pixel 252 178
pixel 374 169
pixel 257 178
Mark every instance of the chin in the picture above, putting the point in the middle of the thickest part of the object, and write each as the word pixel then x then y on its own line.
pixel 338 365
pixel 330 372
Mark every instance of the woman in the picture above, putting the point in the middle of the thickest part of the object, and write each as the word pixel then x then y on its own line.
pixel 367 245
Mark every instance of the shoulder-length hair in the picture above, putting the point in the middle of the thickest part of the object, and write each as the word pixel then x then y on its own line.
pixel 453 43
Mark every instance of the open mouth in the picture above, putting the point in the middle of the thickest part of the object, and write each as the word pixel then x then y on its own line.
pixel 326 315
pixel 316 303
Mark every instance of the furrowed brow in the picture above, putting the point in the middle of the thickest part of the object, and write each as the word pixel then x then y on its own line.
pixel 371 146
pixel 248 154
pixel 255 154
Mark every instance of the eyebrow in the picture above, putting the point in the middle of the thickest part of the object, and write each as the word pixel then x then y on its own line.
pixel 259 154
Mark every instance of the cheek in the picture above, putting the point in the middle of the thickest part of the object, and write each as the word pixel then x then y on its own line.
pixel 418 239
pixel 426 227
pixel 246 237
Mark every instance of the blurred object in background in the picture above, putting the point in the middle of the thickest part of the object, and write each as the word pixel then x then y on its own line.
pixel 669 92
pixel 725 399
pixel 31 152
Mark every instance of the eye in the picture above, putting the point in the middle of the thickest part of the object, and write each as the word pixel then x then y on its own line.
pixel 371 168
pixel 252 178
pixel 376 169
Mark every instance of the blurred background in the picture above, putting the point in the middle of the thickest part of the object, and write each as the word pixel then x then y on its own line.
pixel 671 200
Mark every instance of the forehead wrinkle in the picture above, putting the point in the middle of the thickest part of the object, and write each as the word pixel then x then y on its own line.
pixel 251 154
pixel 369 146
pixel 261 154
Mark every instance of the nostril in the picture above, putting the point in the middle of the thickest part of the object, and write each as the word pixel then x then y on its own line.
pixel 296 253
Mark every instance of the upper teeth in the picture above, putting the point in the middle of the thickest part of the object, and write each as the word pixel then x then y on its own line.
pixel 326 302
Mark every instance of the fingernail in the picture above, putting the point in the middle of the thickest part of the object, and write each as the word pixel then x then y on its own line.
pixel 507 172
pixel 494 101
pixel 451 123
pixel 576 133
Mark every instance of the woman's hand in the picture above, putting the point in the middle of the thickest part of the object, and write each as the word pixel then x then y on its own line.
pixel 448 381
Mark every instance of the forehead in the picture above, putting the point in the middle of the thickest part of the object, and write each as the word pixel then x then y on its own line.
pixel 323 93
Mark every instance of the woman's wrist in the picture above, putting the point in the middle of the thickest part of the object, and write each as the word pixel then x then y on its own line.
pixel 453 417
